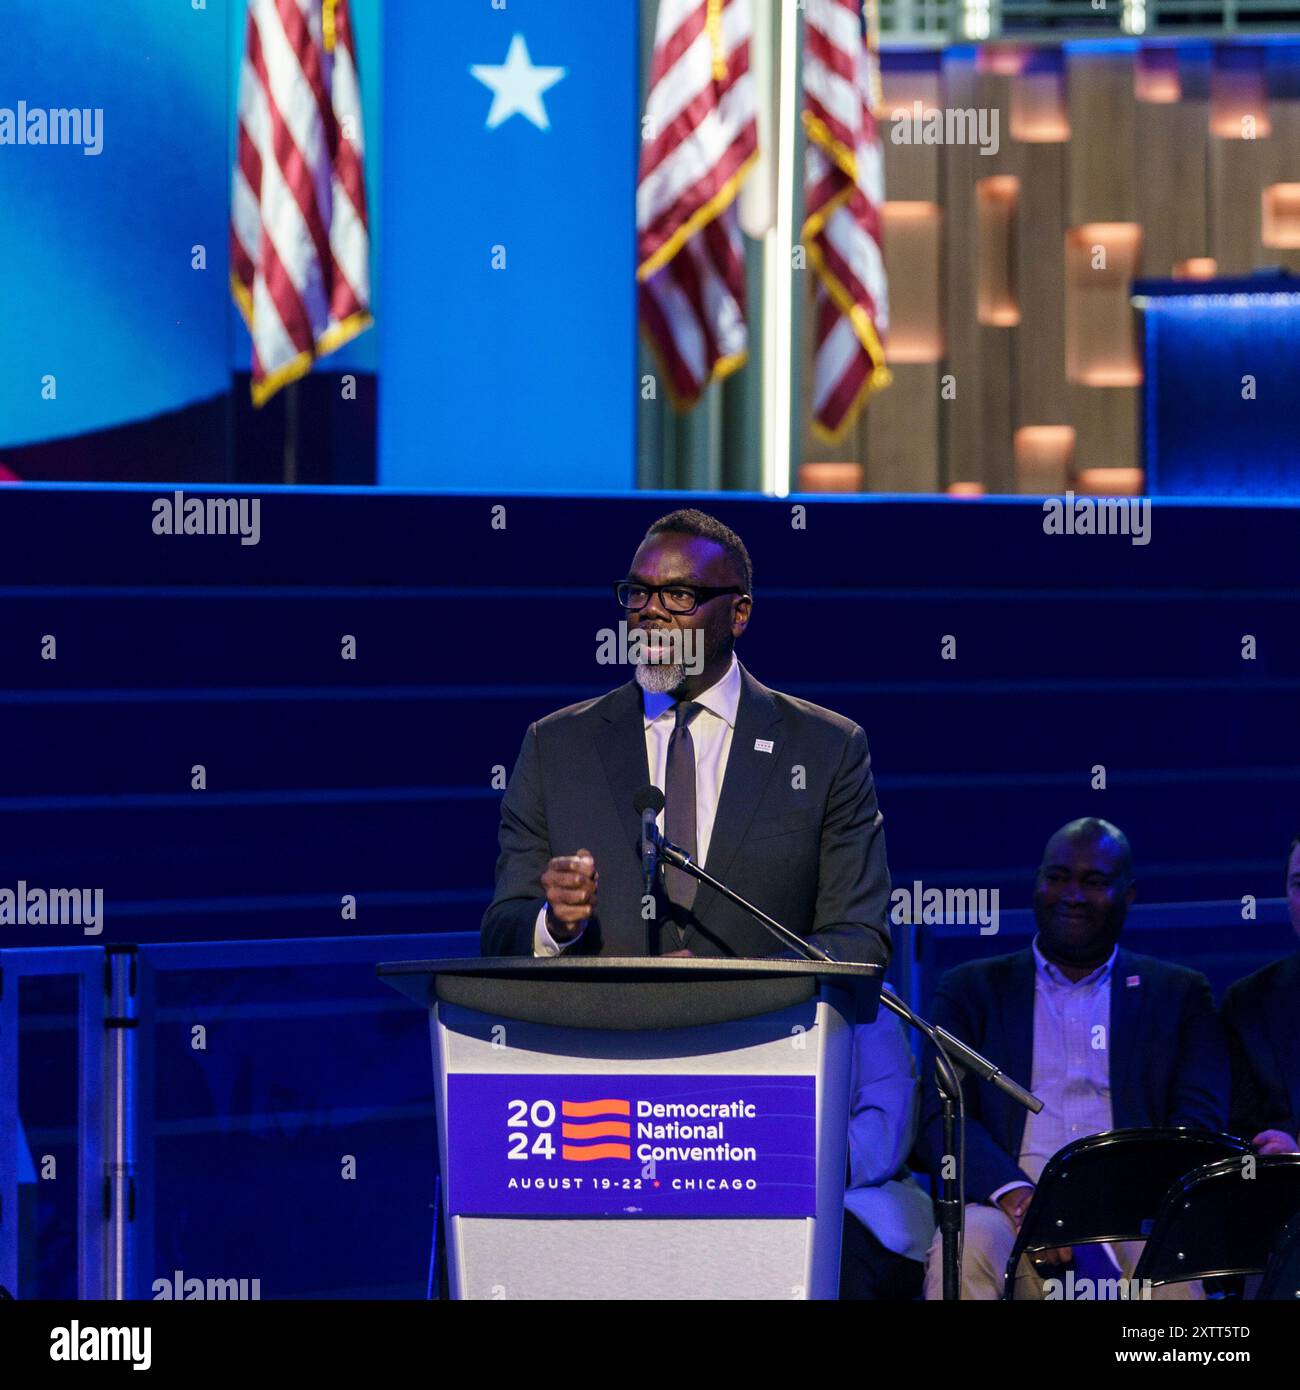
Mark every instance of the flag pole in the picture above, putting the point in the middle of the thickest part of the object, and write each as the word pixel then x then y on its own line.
pixel 291 432
pixel 778 269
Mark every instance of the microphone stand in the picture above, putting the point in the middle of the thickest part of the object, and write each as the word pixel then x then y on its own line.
pixel 947 1051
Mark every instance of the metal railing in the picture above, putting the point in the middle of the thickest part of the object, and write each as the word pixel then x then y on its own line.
pixel 117 1013
pixel 98 1091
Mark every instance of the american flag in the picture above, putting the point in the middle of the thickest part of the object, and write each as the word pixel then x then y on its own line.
pixel 844 193
pixel 700 137
pixel 299 241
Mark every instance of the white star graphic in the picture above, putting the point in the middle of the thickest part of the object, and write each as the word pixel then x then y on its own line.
pixel 517 86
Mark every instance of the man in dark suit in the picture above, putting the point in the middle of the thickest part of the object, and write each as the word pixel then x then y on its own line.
pixel 773 795
pixel 1262 1013
pixel 1105 1038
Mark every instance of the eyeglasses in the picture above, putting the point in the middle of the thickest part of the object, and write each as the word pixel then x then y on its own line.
pixel 676 598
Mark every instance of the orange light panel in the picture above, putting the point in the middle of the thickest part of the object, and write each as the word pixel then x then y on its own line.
pixel 1044 457
pixel 1280 223
pixel 830 477
pixel 913 245
pixel 1110 482
pixel 1101 261
pixel 1196 268
pixel 997 200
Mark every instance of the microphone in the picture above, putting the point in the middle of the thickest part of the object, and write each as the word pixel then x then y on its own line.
pixel 649 801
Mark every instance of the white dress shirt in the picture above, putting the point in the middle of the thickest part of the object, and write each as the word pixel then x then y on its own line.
pixel 711 731
pixel 1071 1063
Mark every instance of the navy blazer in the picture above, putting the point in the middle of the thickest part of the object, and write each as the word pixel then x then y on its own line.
pixel 808 849
pixel 1262 1013
pixel 1168 1060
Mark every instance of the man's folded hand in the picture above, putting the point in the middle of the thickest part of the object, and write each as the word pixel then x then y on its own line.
pixel 569 882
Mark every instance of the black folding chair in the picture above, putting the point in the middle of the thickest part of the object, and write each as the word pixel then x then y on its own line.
pixel 1222 1219
pixel 1281 1281
pixel 1110 1186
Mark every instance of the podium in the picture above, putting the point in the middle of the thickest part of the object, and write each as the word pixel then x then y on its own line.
pixel 642 1128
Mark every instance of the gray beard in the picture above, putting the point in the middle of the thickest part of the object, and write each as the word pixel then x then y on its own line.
pixel 655 679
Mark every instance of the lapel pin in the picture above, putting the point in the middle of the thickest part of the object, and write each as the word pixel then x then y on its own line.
pixel 763 745
pixel 1133 981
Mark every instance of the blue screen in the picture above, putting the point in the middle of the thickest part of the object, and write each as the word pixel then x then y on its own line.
pixel 1222 380
pixel 519 376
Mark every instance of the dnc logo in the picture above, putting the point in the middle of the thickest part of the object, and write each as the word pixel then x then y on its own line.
pixel 595 1127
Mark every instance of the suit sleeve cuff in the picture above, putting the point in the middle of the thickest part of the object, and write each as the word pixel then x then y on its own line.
pixel 1005 1188
pixel 544 944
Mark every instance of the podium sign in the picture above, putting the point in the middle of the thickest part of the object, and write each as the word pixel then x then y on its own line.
pixel 638 1146
pixel 645 1128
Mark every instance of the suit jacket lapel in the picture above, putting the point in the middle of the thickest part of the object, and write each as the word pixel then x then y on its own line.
pixel 1124 1040
pixel 748 773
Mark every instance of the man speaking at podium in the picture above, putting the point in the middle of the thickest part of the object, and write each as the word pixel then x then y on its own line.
pixel 771 794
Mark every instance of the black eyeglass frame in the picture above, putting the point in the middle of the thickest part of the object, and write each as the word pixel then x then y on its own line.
pixel 704 593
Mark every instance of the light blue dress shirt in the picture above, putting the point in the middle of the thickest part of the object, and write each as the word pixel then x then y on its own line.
pixel 883 1106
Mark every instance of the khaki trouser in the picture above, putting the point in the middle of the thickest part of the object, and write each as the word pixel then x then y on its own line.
pixel 990 1234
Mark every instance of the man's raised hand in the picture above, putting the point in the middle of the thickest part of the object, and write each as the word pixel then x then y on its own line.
pixel 569 882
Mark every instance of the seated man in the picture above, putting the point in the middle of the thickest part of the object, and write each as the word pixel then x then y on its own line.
pixel 888 1218
pixel 1262 1013
pixel 1105 1038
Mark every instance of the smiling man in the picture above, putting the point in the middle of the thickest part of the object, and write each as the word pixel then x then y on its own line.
pixel 1105 1038
pixel 772 795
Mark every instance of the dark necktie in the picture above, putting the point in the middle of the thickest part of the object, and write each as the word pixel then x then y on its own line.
pixel 679 804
